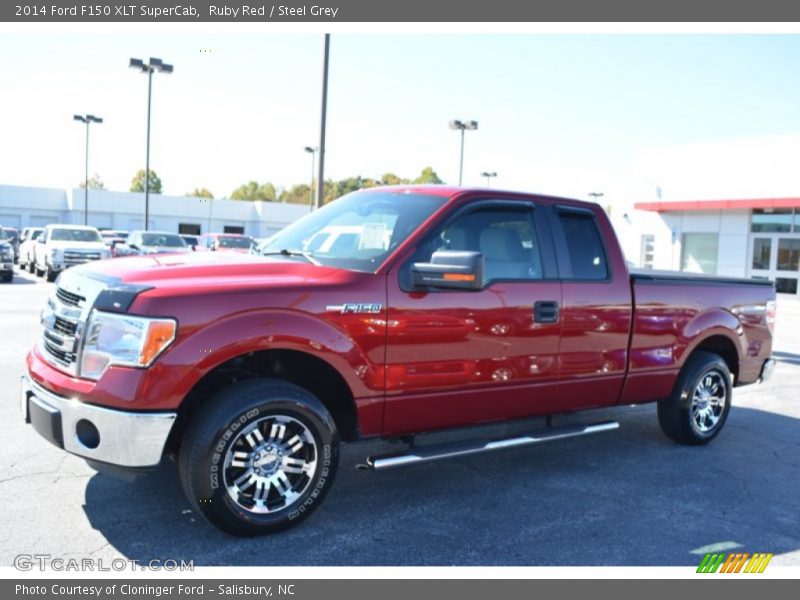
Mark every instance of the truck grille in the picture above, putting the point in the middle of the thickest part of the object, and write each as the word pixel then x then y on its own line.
pixel 69 298
pixel 65 359
pixel 65 327
pixel 61 320
pixel 77 257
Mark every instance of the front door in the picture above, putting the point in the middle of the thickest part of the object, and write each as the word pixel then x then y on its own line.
pixel 464 357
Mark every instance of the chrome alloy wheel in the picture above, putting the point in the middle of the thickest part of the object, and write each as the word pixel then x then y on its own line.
pixel 708 401
pixel 270 463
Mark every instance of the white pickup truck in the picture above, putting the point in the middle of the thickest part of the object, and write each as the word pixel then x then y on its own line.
pixel 63 246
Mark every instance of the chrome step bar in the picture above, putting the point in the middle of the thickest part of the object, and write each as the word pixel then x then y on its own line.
pixel 421 454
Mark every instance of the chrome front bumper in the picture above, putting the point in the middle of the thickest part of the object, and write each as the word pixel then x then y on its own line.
pixel 121 438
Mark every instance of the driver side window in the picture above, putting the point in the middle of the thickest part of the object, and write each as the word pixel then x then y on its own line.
pixel 505 236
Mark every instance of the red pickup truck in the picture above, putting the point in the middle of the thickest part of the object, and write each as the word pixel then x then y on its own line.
pixel 415 309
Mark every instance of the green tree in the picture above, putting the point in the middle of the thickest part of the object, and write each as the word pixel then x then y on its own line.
pixel 95 183
pixel 428 175
pixel 252 190
pixel 392 179
pixel 137 184
pixel 200 193
pixel 297 194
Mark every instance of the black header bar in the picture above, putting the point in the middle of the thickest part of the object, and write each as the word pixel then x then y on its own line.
pixel 443 11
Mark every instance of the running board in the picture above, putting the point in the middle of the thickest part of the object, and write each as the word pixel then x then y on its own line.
pixel 442 451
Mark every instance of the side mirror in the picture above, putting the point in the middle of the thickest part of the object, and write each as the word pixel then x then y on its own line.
pixel 450 269
pixel 133 246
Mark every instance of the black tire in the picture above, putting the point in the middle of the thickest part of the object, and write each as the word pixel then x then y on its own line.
pixel 216 432
pixel 49 275
pixel 8 278
pixel 686 417
pixel 31 267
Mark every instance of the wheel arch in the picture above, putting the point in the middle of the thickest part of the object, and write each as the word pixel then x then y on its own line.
pixel 721 344
pixel 294 366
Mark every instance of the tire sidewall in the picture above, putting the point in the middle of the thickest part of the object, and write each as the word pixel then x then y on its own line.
pixel 208 458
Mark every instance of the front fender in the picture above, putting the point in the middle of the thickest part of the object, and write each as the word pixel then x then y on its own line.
pixel 199 352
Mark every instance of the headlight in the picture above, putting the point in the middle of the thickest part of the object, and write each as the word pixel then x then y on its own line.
pixel 55 253
pixel 105 253
pixel 113 339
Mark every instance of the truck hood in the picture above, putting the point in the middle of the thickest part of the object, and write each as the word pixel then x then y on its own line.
pixel 188 274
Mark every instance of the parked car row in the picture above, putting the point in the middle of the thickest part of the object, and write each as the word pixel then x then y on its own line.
pixel 6 256
pixel 47 251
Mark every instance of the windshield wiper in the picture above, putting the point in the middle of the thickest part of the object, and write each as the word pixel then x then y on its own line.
pixel 286 252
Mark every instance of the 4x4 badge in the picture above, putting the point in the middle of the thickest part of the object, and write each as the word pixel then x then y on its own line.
pixel 349 307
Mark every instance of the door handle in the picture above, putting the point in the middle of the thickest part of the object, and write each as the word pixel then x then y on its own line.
pixel 545 311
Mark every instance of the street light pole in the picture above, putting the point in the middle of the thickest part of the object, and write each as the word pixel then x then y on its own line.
pixel 462 126
pixel 152 65
pixel 86 119
pixel 312 151
pixel 596 195
pixel 488 175
pixel 323 118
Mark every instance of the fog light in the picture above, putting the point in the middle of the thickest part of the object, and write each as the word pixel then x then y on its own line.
pixel 87 434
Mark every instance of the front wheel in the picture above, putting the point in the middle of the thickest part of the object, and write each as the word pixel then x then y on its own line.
pixel 697 409
pixel 259 457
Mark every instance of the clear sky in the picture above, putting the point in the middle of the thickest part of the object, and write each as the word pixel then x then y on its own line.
pixel 565 114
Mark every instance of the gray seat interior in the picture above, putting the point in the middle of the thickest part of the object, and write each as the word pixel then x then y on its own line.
pixel 505 256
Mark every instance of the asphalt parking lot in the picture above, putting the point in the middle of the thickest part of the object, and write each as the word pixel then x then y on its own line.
pixel 629 497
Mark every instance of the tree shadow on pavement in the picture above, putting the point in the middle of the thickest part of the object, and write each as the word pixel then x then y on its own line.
pixel 630 497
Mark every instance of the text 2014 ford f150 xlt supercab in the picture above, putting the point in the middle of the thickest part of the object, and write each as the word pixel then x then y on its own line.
pixel 432 308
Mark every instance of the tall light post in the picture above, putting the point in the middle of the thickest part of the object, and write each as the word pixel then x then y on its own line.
pixel 150 67
pixel 462 126
pixel 595 195
pixel 489 175
pixel 88 119
pixel 313 152
pixel 326 51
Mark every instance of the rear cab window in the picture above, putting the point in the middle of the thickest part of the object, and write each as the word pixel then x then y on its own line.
pixel 587 259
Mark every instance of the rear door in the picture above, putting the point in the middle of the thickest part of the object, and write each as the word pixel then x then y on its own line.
pixel 462 357
pixel 596 309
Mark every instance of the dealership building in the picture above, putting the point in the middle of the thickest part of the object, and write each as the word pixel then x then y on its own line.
pixel 36 207
pixel 751 237
pixel 729 208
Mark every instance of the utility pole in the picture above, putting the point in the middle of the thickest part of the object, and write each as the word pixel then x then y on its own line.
pixel 323 116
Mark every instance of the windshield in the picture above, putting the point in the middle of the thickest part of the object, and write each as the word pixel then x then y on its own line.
pixel 163 239
pixel 357 231
pixel 234 242
pixel 75 235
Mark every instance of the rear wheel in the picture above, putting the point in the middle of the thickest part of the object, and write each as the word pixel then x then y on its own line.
pixel 259 457
pixel 697 409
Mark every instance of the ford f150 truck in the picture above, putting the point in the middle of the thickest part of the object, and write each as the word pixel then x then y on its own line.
pixel 446 308
pixel 62 246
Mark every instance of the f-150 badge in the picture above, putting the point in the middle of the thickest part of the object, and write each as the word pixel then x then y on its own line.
pixel 353 307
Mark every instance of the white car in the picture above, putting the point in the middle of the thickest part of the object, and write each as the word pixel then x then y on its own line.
pixel 62 246
pixel 27 245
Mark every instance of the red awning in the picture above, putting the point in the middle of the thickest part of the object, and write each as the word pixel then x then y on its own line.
pixel 745 204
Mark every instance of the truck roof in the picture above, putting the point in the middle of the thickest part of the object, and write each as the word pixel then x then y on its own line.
pixel 450 191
